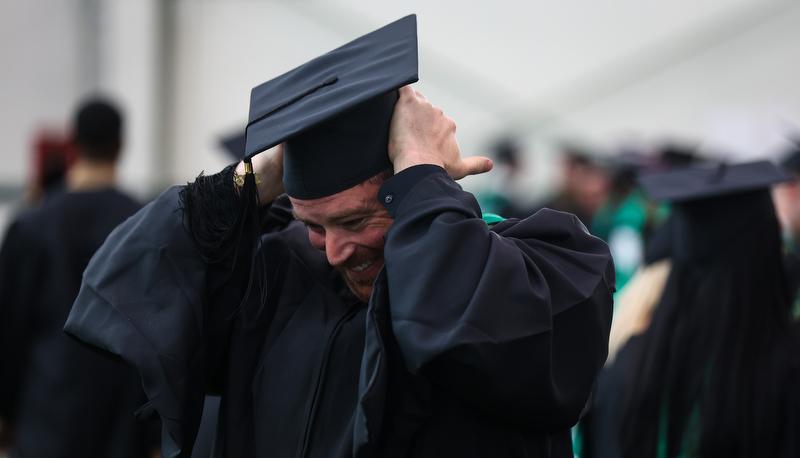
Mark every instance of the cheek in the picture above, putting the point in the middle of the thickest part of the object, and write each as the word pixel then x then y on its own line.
pixel 373 236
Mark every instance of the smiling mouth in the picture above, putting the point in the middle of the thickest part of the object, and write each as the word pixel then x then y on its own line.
pixel 361 267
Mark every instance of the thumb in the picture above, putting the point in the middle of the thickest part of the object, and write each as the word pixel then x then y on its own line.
pixel 474 165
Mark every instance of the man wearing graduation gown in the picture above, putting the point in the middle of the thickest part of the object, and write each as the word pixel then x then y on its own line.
pixel 376 314
pixel 57 398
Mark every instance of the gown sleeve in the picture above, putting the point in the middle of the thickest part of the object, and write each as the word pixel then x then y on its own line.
pixel 151 298
pixel 128 297
pixel 514 320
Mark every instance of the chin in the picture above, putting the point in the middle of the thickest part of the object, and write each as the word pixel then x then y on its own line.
pixel 361 288
pixel 361 291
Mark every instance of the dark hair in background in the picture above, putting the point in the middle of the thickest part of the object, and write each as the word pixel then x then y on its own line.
pixel 97 127
pixel 791 157
pixel 507 151
pixel 718 344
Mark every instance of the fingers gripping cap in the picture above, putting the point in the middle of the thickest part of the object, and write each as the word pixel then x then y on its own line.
pixel 333 112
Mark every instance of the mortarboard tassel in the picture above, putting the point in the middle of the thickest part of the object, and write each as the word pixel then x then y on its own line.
pixel 249 203
pixel 219 220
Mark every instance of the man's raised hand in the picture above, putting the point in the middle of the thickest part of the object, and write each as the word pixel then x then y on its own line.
pixel 421 133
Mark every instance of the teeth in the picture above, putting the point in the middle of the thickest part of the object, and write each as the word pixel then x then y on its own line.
pixel 362 266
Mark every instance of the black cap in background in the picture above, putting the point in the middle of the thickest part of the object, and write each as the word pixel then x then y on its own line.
pixel 333 112
pixel 234 145
pixel 715 209
pixel 703 182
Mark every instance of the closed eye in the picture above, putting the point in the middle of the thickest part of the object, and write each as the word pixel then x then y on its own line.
pixel 353 223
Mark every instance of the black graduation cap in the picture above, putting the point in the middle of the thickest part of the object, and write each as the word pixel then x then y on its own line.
pixel 333 112
pixel 713 208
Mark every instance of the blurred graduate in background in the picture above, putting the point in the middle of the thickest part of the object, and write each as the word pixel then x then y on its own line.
pixel 58 398
pixel 583 187
pixel 716 370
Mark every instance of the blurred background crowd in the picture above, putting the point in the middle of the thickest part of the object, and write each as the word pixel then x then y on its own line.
pixel 573 101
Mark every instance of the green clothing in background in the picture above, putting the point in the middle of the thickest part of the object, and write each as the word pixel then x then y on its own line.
pixel 624 223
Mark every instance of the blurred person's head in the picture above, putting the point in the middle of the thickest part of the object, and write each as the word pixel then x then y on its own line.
pixel 584 179
pixel 622 170
pixel 787 195
pixel 97 132
pixel 52 156
pixel 97 129
pixel 674 155
pixel 507 152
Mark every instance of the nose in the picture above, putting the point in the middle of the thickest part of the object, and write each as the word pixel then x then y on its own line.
pixel 336 244
pixel 338 247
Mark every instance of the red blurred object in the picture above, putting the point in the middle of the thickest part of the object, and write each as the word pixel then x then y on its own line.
pixel 53 154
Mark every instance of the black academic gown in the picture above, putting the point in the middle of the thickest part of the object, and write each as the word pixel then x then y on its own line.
pixel 476 342
pixel 61 399
pixel 600 428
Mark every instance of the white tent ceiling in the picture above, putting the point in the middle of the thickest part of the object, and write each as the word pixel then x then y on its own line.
pixel 722 72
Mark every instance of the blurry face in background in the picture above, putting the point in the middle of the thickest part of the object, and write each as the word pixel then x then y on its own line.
pixel 787 206
pixel 349 227
pixel 588 183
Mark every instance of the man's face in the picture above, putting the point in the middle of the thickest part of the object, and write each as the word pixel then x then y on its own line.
pixel 349 227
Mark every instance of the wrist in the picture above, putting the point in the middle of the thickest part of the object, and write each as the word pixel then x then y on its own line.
pixel 410 159
pixel 268 171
